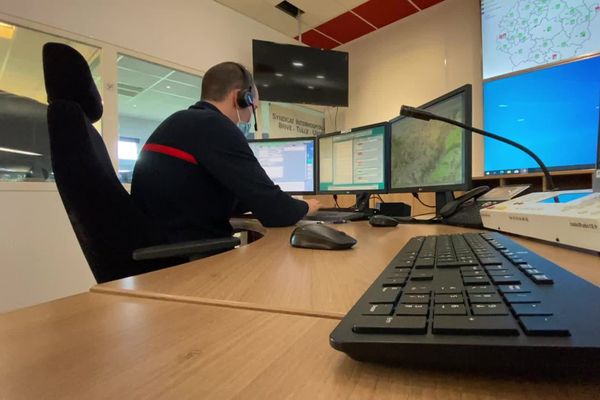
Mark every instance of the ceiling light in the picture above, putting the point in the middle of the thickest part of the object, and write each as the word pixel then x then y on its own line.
pixel 27 153
pixel 278 74
pixel 297 64
pixel 311 87
pixel 265 85
pixel 7 31
pixel 168 87
pixel 320 76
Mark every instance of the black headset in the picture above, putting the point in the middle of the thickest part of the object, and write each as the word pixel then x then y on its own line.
pixel 245 97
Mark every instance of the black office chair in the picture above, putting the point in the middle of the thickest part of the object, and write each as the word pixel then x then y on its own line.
pixel 117 239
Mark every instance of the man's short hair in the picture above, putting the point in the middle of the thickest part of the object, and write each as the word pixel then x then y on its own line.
pixel 222 78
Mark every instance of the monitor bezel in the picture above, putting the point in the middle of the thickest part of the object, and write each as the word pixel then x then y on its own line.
pixel 386 143
pixel 294 139
pixel 466 91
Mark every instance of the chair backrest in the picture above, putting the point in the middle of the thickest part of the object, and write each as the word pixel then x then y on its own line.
pixel 106 222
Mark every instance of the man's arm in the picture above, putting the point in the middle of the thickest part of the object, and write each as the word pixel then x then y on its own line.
pixel 227 156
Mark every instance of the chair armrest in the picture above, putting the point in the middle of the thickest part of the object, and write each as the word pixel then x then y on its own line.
pixel 191 250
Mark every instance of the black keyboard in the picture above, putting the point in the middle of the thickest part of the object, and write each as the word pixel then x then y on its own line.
pixel 337 216
pixel 476 300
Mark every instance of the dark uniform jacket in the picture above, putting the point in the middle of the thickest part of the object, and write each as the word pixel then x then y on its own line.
pixel 196 170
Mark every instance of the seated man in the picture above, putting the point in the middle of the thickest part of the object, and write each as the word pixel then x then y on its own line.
pixel 196 170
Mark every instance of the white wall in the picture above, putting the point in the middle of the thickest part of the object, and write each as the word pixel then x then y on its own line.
pixel 194 33
pixel 416 60
pixel 41 259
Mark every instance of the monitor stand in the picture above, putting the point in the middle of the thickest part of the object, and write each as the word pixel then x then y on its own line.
pixel 441 199
pixel 362 202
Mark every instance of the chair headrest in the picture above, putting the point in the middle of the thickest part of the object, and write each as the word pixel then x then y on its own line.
pixel 67 77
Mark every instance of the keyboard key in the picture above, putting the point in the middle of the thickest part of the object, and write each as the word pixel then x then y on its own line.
pixel 532 271
pixel 518 260
pixel 397 275
pixel 404 263
pixel 521 298
pixel 491 268
pixel 506 280
pixel 386 294
pixel 498 272
pixel 414 299
pixel 543 326
pixel 468 269
pixel 542 279
pixel 450 309
pixel 453 264
pixel 397 324
pixel 379 309
pixel 489 309
pixel 476 325
pixel 394 282
pixel 418 289
pixel 476 280
pixel 473 273
pixel 484 298
pixel 480 289
pixel 514 289
pixel 412 309
pixel 448 290
pixel 449 299
pixel 422 276
pixel 490 261
pixel 530 309
pixel 424 263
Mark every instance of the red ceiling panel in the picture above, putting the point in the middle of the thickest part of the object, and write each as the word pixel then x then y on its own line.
pixel 317 40
pixel 345 27
pixel 383 12
pixel 426 3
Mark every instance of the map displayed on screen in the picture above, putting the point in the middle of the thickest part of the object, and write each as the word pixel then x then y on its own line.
pixel 428 153
pixel 521 34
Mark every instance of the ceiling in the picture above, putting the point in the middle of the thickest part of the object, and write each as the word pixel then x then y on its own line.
pixel 327 24
pixel 153 92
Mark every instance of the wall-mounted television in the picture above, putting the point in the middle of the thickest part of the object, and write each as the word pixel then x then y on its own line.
pixel 298 74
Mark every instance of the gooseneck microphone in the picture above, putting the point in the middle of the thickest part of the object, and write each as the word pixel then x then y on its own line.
pixel 418 113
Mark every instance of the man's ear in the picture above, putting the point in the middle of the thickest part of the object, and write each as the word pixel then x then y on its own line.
pixel 234 95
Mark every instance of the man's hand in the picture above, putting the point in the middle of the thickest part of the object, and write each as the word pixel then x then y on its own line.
pixel 313 206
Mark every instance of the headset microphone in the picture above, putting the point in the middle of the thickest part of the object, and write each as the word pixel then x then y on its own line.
pixel 255 122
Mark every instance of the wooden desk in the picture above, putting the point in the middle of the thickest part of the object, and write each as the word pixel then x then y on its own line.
pixel 94 346
pixel 269 274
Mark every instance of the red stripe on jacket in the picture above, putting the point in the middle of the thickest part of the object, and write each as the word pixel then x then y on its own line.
pixel 170 151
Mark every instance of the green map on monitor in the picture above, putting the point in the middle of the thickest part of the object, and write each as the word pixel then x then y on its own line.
pixel 429 153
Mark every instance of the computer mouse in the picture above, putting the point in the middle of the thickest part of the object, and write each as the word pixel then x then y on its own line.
pixel 321 237
pixel 383 220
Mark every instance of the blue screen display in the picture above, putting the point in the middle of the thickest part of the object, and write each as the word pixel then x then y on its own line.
pixel 553 112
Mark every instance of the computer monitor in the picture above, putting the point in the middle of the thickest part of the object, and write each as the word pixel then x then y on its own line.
pixel 290 163
pixel 433 156
pixel 353 162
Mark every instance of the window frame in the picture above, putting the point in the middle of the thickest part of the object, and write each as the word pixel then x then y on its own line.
pixel 108 76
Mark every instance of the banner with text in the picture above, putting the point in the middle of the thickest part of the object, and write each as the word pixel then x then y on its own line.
pixel 288 122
